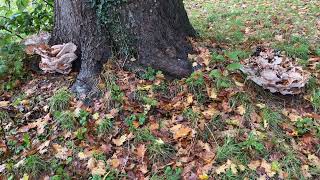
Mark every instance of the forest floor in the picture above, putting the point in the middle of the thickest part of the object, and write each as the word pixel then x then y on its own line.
pixel 202 127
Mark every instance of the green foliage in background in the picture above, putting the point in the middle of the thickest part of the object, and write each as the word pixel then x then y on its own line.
pixel 18 19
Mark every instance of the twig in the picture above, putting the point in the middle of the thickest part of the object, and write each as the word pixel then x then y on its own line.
pixel 4 28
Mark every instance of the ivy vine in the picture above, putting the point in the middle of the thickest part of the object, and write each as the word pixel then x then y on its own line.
pixel 108 12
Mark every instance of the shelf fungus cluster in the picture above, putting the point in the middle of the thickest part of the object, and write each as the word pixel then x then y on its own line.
pixel 275 72
pixel 55 59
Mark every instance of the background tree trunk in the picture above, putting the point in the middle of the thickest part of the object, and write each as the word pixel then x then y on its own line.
pixel 156 31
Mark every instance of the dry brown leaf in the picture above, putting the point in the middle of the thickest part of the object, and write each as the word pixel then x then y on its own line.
pixel 120 141
pixel 4 104
pixel 43 147
pixel 141 151
pixel 305 171
pixel 180 131
pixel 253 165
pixel 61 152
pixel 267 168
pixel 115 163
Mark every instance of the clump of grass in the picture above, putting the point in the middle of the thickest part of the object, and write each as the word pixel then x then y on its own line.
pixel 315 100
pixel 34 165
pixel 191 116
pixel 66 119
pixel 271 118
pixel 221 81
pixel 196 85
pixel 60 100
pixel 105 126
pixel 159 151
pixel 230 149
pixel 253 143
pixel 4 116
pixel 143 135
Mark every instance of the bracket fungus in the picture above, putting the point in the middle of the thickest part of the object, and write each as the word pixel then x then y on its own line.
pixel 275 72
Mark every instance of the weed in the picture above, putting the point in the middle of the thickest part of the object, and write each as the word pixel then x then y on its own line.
pixel 60 100
pixel 83 117
pixel 271 118
pixel 149 101
pixel 4 117
pixel 221 81
pixel 105 126
pixel 291 165
pixel 65 119
pixel 150 74
pixel 217 57
pixel 116 93
pixel 191 116
pixel 315 100
pixel 159 151
pixel 252 142
pixel 34 165
pixel 304 125
pixel 143 135
pixel 196 85
pixel 80 133
pixel 229 149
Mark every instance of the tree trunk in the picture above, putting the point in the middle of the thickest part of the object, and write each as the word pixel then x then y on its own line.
pixel 152 32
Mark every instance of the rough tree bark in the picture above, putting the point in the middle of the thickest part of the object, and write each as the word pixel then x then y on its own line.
pixel 159 29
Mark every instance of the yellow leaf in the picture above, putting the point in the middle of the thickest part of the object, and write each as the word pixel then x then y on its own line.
pixel 145 88
pixel 189 99
pixel 203 177
pixel 213 94
pixel 96 116
pixel 25 177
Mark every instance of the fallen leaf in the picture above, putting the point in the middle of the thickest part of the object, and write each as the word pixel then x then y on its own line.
pixel 115 163
pixel 253 165
pixel 61 152
pixel 267 168
pixel 43 147
pixel 120 141
pixel 2 168
pixel 241 110
pixel 4 104
pixel 180 131
pixel 141 150
pixel 305 171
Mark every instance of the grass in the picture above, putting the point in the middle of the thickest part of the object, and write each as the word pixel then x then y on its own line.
pixel 105 126
pixel 315 100
pixel 160 152
pixel 66 119
pixel 34 165
pixel 60 100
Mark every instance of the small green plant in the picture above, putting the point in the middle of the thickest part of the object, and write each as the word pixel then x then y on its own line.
pixel 83 117
pixel 252 142
pixel 304 125
pixel 60 100
pixel 34 165
pixel 4 117
pixel 196 85
pixel 191 116
pixel 215 57
pixel 149 101
pixel 116 93
pixel 65 119
pixel 105 126
pixel 26 140
pixel 172 174
pixel 230 149
pixel 220 80
pixel 143 135
pixel 150 74
pixel 272 118
pixel 159 151
pixel 141 118
pixel 315 100
pixel 80 133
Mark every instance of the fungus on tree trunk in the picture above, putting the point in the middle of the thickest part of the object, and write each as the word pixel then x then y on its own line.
pixel 154 32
